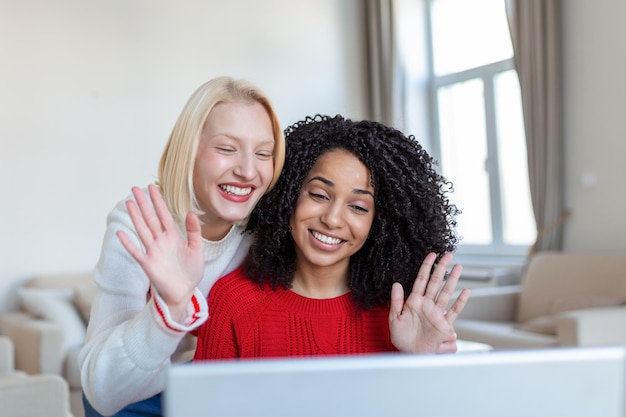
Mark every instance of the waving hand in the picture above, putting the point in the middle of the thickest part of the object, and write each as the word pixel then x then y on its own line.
pixel 423 323
pixel 173 264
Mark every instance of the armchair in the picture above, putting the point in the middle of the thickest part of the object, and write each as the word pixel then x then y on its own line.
pixel 49 328
pixel 564 299
pixel 22 395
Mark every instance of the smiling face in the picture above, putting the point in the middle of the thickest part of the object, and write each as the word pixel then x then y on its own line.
pixel 334 212
pixel 234 164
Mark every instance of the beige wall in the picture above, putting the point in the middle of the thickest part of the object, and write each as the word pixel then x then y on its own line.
pixel 89 91
pixel 595 123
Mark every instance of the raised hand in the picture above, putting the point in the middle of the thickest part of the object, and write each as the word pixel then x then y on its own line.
pixel 173 264
pixel 423 323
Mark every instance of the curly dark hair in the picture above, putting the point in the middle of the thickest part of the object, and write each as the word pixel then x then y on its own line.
pixel 412 215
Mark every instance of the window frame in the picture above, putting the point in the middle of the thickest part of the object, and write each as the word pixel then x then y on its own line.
pixel 487 74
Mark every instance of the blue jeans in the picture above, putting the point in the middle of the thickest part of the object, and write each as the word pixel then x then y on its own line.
pixel 150 407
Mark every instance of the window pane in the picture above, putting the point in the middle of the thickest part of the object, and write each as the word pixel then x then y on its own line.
pixel 463 156
pixel 469 34
pixel 519 224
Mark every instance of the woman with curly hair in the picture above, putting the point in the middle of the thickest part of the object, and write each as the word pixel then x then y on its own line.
pixel 337 244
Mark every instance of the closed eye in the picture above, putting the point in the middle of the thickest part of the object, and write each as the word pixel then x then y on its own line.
pixel 359 209
pixel 225 150
pixel 264 155
pixel 316 196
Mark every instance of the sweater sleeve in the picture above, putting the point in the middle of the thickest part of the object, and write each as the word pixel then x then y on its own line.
pixel 131 336
pixel 216 337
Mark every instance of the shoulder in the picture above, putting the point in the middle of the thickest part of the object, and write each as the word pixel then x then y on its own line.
pixel 236 279
pixel 235 291
pixel 119 213
pixel 115 261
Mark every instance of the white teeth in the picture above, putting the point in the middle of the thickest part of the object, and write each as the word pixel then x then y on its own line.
pixel 326 239
pixel 236 190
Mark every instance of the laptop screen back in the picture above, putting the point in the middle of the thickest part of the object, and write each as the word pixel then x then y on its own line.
pixel 576 382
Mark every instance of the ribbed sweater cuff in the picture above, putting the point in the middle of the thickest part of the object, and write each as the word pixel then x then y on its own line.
pixel 197 312
pixel 152 337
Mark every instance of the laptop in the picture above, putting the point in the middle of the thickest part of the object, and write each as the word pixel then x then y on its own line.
pixel 573 382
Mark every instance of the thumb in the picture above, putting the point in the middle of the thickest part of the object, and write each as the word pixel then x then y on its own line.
pixel 194 235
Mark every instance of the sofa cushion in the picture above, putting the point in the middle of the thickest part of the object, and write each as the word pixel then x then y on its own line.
pixel 7 355
pixel 546 324
pixel 34 395
pixel 541 324
pixel 59 280
pixel 82 284
pixel 56 305
pixel 569 278
pixel 502 335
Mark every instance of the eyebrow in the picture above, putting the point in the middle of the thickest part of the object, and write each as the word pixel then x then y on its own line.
pixel 240 139
pixel 332 184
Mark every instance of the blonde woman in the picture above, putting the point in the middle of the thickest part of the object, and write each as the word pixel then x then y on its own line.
pixel 225 152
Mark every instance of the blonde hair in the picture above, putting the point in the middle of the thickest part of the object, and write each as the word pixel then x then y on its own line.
pixel 177 162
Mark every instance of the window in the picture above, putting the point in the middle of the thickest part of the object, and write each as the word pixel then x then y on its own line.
pixel 477 128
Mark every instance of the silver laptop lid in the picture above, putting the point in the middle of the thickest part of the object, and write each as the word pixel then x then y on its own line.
pixel 576 382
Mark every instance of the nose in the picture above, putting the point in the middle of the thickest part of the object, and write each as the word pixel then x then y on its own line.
pixel 246 167
pixel 333 216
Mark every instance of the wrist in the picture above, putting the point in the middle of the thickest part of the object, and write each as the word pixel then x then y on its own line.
pixel 184 316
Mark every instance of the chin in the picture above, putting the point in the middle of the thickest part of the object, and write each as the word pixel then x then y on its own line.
pixel 231 218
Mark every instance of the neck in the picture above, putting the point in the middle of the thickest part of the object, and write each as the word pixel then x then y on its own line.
pixel 214 232
pixel 321 282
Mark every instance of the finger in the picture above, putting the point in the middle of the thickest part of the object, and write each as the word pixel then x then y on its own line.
pixel 423 275
pixel 132 249
pixel 436 279
pixel 147 211
pixel 445 295
pixel 449 344
pixel 458 306
pixel 448 347
pixel 144 233
pixel 194 231
pixel 397 301
pixel 163 212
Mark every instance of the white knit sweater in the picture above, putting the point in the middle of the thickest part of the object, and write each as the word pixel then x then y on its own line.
pixel 131 339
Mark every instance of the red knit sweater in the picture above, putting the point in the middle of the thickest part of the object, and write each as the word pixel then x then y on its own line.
pixel 246 321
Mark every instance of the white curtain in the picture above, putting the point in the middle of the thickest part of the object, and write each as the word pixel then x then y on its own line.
pixel 534 27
